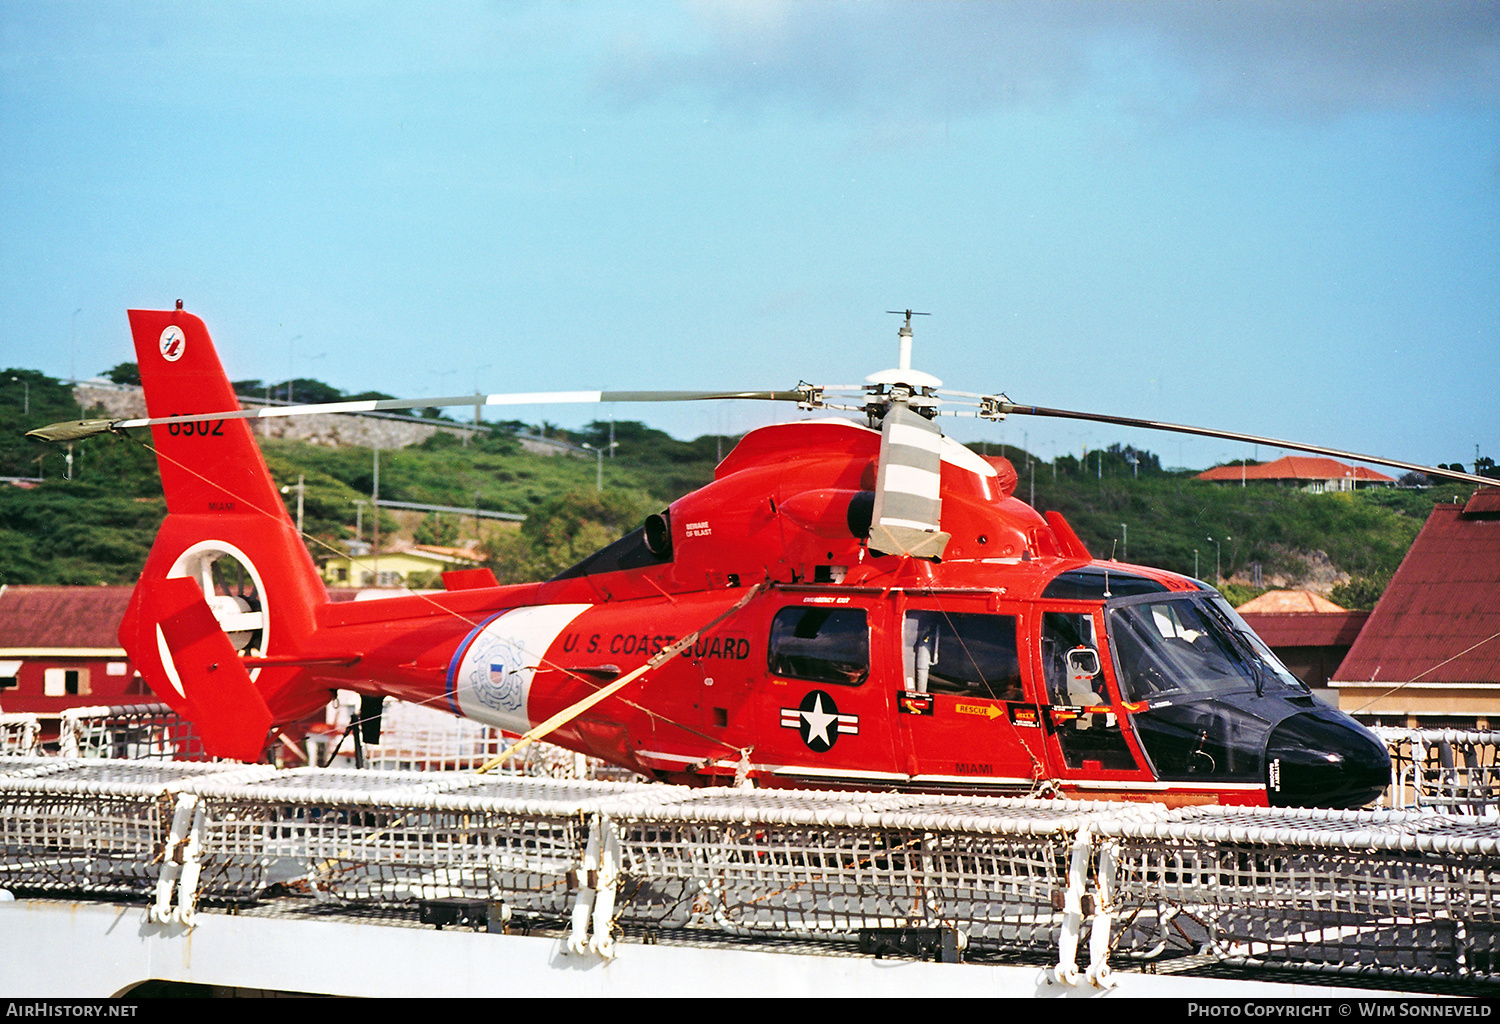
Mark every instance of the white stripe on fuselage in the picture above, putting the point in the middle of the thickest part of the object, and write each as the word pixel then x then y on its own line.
pixel 492 683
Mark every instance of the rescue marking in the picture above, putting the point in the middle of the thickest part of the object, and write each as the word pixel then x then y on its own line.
pixel 490 681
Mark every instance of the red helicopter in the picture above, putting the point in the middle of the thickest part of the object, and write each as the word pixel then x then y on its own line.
pixel 844 606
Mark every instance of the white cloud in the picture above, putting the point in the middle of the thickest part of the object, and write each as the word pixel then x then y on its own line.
pixel 1285 58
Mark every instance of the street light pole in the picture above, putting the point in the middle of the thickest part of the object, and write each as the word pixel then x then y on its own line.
pixel 478 404
pixel 74 350
pixel 301 490
pixel 599 459
pixel 1124 543
pixel 1218 560
pixel 375 522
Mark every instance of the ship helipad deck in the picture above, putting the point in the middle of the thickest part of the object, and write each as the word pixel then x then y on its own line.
pixel 392 883
pixel 68 949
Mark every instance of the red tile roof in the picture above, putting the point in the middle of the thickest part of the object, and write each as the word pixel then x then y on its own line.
pixel 1439 619
pixel 1306 629
pixel 1297 467
pixel 61 616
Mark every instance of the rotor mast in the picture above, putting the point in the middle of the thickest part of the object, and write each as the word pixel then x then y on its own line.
pixel 904 358
pixel 902 385
pixel 907 515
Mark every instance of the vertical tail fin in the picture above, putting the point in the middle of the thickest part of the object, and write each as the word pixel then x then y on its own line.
pixel 228 531
pixel 208 467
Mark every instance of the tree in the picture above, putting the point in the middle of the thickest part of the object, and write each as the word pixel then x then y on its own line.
pixel 1361 593
pixel 28 399
pixel 1137 461
pixel 124 373
pixel 437 530
pixel 566 529
pixel 307 391
pixel 498 441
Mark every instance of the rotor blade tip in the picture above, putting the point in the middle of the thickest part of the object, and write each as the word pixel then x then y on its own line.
pixel 71 430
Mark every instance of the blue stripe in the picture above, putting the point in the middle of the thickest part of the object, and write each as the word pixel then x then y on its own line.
pixel 458 654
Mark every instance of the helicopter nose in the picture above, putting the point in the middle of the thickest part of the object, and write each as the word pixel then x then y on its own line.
pixel 1321 758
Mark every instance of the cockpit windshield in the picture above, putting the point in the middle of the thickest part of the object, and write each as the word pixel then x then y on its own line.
pixel 1191 645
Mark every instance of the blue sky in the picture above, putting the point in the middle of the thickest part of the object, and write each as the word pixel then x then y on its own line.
pixel 1279 218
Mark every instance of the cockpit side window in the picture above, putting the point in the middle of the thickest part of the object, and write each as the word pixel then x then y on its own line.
pixel 1189 646
pixel 1063 632
pixel 967 653
pixel 1087 726
pixel 825 645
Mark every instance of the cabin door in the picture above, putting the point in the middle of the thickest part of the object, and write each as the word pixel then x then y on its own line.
pixel 961 710
pixel 1086 737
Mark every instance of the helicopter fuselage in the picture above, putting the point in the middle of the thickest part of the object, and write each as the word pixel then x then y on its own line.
pixel 1016 664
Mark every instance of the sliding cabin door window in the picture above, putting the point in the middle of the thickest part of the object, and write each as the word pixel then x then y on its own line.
pixel 965 653
pixel 824 645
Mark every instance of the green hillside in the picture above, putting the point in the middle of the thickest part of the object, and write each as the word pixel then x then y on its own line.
pixel 1172 520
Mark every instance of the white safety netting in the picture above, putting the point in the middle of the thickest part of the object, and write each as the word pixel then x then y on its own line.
pixel 20 735
pixel 412 738
pixel 1373 892
pixel 417 737
pixel 1089 883
pixel 1451 770
pixel 132 732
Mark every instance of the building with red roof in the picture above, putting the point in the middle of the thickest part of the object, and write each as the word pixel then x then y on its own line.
pixel 59 649
pixel 1430 653
pixel 1309 633
pixel 1310 473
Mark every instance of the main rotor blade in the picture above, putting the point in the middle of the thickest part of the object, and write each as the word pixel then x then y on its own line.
pixel 1007 407
pixel 73 430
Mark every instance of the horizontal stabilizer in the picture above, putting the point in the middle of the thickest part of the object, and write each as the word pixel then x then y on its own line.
pixel 212 688
pixel 469 579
